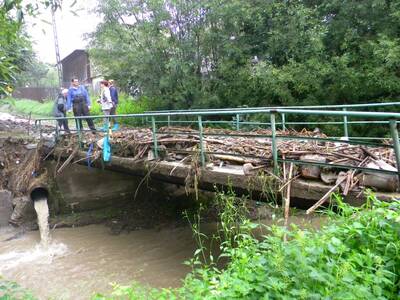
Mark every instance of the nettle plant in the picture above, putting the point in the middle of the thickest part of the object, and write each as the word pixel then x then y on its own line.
pixel 355 256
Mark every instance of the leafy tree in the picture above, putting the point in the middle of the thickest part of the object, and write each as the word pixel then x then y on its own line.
pixel 37 74
pixel 220 53
pixel 15 48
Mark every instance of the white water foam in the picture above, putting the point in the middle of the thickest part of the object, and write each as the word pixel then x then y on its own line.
pixel 37 255
pixel 43 253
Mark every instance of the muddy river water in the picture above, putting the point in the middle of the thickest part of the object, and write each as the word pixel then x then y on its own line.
pixel 81 261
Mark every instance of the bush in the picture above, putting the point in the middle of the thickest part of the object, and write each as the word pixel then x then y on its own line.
pixel 355 256
pixel 126 105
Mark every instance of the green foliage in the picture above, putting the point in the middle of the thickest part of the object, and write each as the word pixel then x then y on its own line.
pixel 16 54
pixel 27 107
pixel 126 105
pixel 37 74
pixel 232 213
pixel 355 256
pixel 12 291
pixel 202 53
pixel 220 53
pixel 13 49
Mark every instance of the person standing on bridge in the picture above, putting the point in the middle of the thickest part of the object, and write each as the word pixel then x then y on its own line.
pixel 78 99
pixel 114 98
pixel 60 110
pixel 105 102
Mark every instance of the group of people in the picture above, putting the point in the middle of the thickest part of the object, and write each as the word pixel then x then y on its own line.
pixel 77 99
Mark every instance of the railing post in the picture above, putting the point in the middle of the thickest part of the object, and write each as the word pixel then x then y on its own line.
pixel 283 122
pixel 345 125
pixel 57 130
pixel 155 144
pixel 274 146
pixel 395 136
pixel 202 154
pixel 169 121
pixel 237 122
pixel 40 128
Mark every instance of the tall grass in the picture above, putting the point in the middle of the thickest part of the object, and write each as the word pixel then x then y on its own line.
pixel 126 105
pixel 26 107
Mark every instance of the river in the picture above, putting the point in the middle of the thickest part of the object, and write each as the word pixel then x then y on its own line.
pixel 81 261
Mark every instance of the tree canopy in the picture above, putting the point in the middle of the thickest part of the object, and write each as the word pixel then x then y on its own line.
pixel 227 53
pixel 16 53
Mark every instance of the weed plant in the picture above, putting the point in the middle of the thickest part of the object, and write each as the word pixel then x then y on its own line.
pixel 355 256
pixel 12 291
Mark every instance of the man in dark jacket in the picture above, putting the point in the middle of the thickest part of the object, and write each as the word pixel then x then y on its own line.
pixel 78 99
pixel 60 110
pixel 114 98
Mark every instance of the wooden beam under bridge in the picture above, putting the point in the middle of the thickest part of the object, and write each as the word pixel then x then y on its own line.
pixel 308 191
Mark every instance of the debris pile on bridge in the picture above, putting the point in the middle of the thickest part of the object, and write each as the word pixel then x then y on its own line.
pixel 19 160
pixel 253 151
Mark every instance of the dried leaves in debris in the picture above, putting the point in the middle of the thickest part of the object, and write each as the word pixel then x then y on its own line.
pixel 228 147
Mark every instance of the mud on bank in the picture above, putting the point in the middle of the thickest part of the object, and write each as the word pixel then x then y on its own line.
pixel 81 196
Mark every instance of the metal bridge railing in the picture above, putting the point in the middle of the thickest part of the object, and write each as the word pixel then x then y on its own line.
pixel 200 119
pixel 237 123
pixel 330 107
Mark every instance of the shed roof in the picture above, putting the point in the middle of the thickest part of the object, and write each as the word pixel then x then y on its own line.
pixel 73 54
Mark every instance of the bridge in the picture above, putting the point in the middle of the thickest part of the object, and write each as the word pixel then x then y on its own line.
pixel 265 150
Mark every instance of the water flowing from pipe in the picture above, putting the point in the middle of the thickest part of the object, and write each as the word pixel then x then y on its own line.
pixel 42 211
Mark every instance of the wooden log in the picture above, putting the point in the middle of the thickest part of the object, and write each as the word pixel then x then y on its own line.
pixel 287 198
pixel 366 151
pixel 236 159
pixel 325 197
pixel 310 171
pixel 381 182
pixel 69 159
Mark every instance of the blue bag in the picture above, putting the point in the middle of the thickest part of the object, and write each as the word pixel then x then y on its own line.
pixel 106 150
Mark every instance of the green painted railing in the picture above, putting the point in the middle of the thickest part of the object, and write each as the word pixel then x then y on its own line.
pixel 330 107
pixel 237 123
pixel 199 116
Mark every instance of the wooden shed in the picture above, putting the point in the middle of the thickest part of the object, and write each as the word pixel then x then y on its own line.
pixel 76 64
